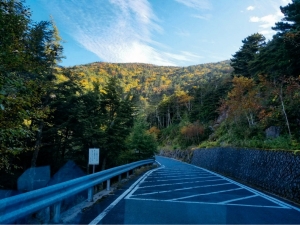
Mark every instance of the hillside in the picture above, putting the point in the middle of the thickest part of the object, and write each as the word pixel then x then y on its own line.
pixel 149 81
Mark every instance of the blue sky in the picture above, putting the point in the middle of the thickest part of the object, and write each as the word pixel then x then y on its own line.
pixel 161 32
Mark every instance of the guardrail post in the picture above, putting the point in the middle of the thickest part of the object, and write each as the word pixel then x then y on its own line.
pixel 120 178
pixel 56 212
pixel 90 194
pixel 108 185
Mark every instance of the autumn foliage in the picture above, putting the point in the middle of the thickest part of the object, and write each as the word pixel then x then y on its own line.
pixel 192 132
pixel 243 100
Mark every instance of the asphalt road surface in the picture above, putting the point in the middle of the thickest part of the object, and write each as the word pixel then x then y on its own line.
pixel 178 193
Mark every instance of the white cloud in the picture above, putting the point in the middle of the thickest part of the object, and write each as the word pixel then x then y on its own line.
pixel 285 2
pixel 183 33
pixel 203 17
pixel 116 30
pixel 267 21
pixel 196 4
pixel 191 55
pixel 267 33
pixel 254 19
pixel 184 56
pixel 250 8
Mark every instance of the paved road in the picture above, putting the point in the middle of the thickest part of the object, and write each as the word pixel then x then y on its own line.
pixel 178 193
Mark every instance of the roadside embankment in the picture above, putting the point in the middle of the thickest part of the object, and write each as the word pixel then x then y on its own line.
pixel 277 172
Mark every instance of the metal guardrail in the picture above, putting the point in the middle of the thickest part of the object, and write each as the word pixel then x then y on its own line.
pixel 19 206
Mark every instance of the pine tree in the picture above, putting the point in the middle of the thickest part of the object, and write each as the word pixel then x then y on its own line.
pixel 252 45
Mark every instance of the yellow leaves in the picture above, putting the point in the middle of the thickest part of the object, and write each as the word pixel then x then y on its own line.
pixel 154 130
pixel 243 99
pixel 192 131
pixel 183 97
pixel 241 85
pixel 103 91
pixel 168 82
pixel 27 123
pixel 61 78
pixel 103 127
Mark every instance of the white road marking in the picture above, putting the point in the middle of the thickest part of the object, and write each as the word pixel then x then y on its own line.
pixel 180 175
pixel 281 205
pixel 104 213
pixel 210 193
pixel 277 201
pixel 237 199
pixel 207 203
pixel 158 162
pixel 178 172
pixel 190 178
pixel 274 200
pixel 192 182
pixel 137 186
pixel 180 189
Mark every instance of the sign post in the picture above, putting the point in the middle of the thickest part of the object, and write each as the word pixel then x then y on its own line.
pixel 94 157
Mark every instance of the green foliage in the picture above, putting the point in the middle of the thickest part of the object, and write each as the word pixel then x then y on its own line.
pixel 87 119
pixel 271 96
pixel 28 52
pixel 148 81
pixel 242 58
pixel 141 142
pixel 209 144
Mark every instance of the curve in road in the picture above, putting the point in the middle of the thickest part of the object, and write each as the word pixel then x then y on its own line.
pixel 179 193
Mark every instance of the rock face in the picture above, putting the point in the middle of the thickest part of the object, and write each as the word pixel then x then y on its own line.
pixel 182 155
pixel 273 132
pixel 223 116
pixel 277 172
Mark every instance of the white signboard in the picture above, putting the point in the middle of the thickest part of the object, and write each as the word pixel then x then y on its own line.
pixel 94 156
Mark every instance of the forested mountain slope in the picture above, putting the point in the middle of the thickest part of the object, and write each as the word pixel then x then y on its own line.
pixel 150 81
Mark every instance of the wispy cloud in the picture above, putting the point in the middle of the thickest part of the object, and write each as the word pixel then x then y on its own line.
pixel 183 33
pixel 191 55
pixel 115 30
pixel 196 4
pixel 203 17
pixel 184 56
pixel 250 8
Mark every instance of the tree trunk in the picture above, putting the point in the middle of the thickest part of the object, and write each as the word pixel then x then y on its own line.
pixel 159 125
pixel 63 149
pixel 37 144
pixel 168 118
pixel 103 163
pixel 284 112
pixel 177 110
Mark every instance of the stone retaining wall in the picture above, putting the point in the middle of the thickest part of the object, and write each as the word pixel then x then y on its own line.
pixel 277 172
